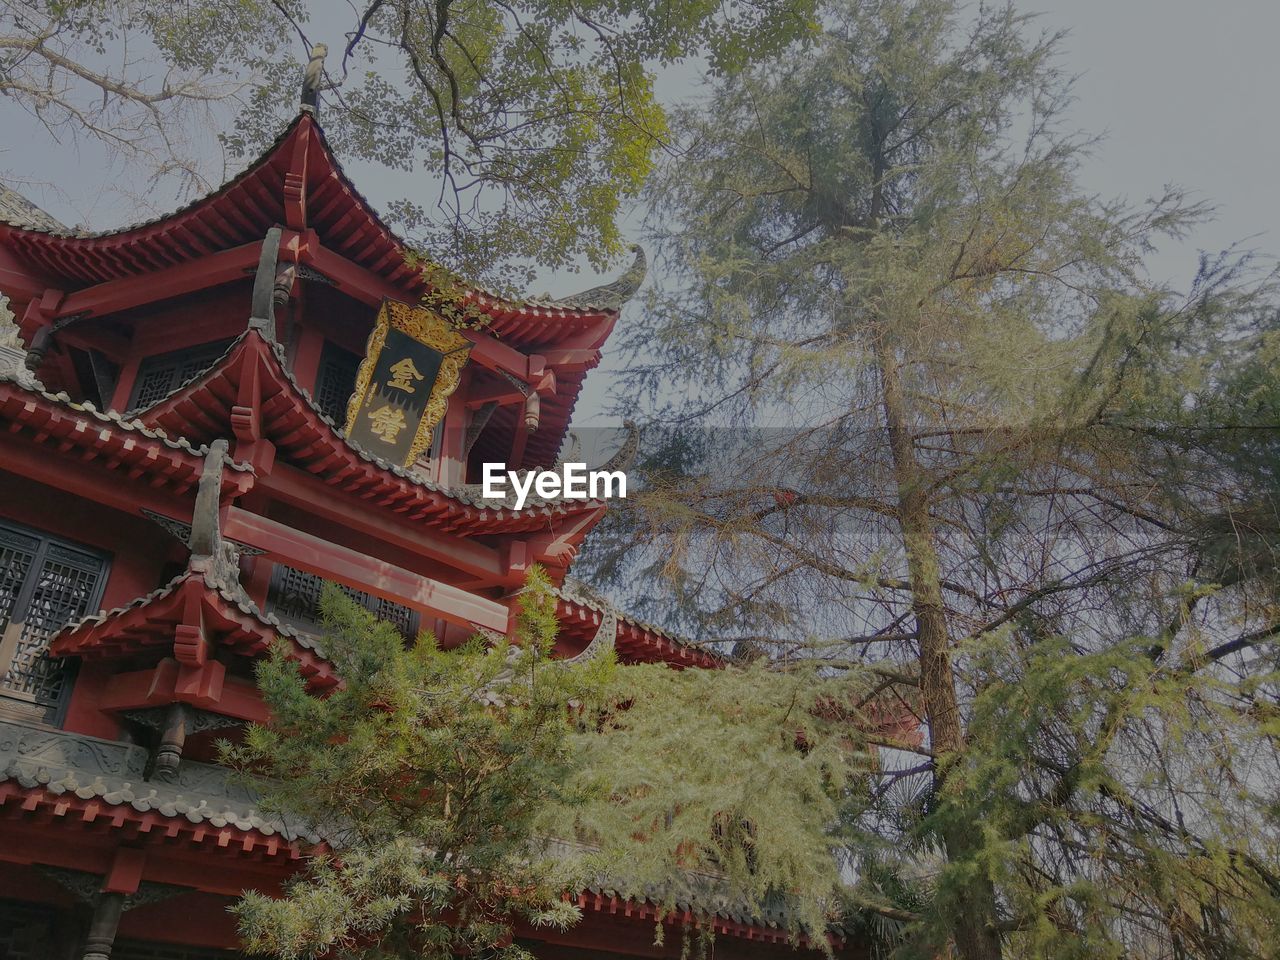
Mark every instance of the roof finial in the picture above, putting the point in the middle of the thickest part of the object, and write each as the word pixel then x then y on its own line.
pixel 311 78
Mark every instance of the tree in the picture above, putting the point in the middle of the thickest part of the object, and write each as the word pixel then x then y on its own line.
pixel 426 773
pixel 460 792
pixel 140 78
pixel 533 122
pixel 1015 479
pixel 722 789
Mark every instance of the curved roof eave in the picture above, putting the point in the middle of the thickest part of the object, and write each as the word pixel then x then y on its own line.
pixel 219 219
pixel 456 509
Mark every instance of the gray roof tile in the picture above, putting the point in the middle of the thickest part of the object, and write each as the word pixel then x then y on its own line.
pixel 88 767
pixel 16 210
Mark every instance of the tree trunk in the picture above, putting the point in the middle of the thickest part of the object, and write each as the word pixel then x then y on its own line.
pixel 974 928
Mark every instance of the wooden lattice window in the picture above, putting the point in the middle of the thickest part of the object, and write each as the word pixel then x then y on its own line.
pixel 294 597
pixel 45 583
pixel 161 375
pixel 335 382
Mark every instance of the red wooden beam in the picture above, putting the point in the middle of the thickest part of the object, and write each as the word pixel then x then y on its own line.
pixel 201 274
pixel 289 484
pixel 505 393
pixel 571 358
pixel 353 568
pixel 168 682
pixel 88 337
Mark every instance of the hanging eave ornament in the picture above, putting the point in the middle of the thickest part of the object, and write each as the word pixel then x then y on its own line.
pixel 412 364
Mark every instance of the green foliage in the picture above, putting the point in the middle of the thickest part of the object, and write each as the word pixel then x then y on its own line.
pixel 725 788
pixel 457 791
pixel 426 773
pixel 1100 780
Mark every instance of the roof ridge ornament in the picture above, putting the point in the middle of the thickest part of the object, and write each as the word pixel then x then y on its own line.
pixel 309 97
pixel 217 559
pixel 13 352
pixel 609 296
pixel 269 289
pixel 572 454
pixel 625 455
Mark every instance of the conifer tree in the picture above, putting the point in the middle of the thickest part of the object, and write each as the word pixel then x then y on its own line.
pixel 425 774
pixel 461 792
pixel 1030 486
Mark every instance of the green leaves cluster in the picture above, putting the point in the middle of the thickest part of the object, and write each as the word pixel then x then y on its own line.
pixel 460 793
pixel 725 788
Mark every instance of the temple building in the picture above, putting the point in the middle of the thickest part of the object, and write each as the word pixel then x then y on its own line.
pixel 178 480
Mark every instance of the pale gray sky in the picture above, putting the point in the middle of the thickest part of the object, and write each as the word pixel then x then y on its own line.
pixel 1184 91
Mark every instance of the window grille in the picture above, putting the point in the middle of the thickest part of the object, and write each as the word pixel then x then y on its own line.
pixel 161 375
pixel 294 597
pixel 44 585
pixel 335 382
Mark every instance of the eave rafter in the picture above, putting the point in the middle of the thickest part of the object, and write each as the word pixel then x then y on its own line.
pixel 39 422
pixel 688 916
pixel 132 815
pixel 113 296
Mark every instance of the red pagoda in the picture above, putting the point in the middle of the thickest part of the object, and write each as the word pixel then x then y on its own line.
pixel 177 483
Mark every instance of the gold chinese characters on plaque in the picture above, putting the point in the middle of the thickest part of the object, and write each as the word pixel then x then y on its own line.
pixel 412 364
